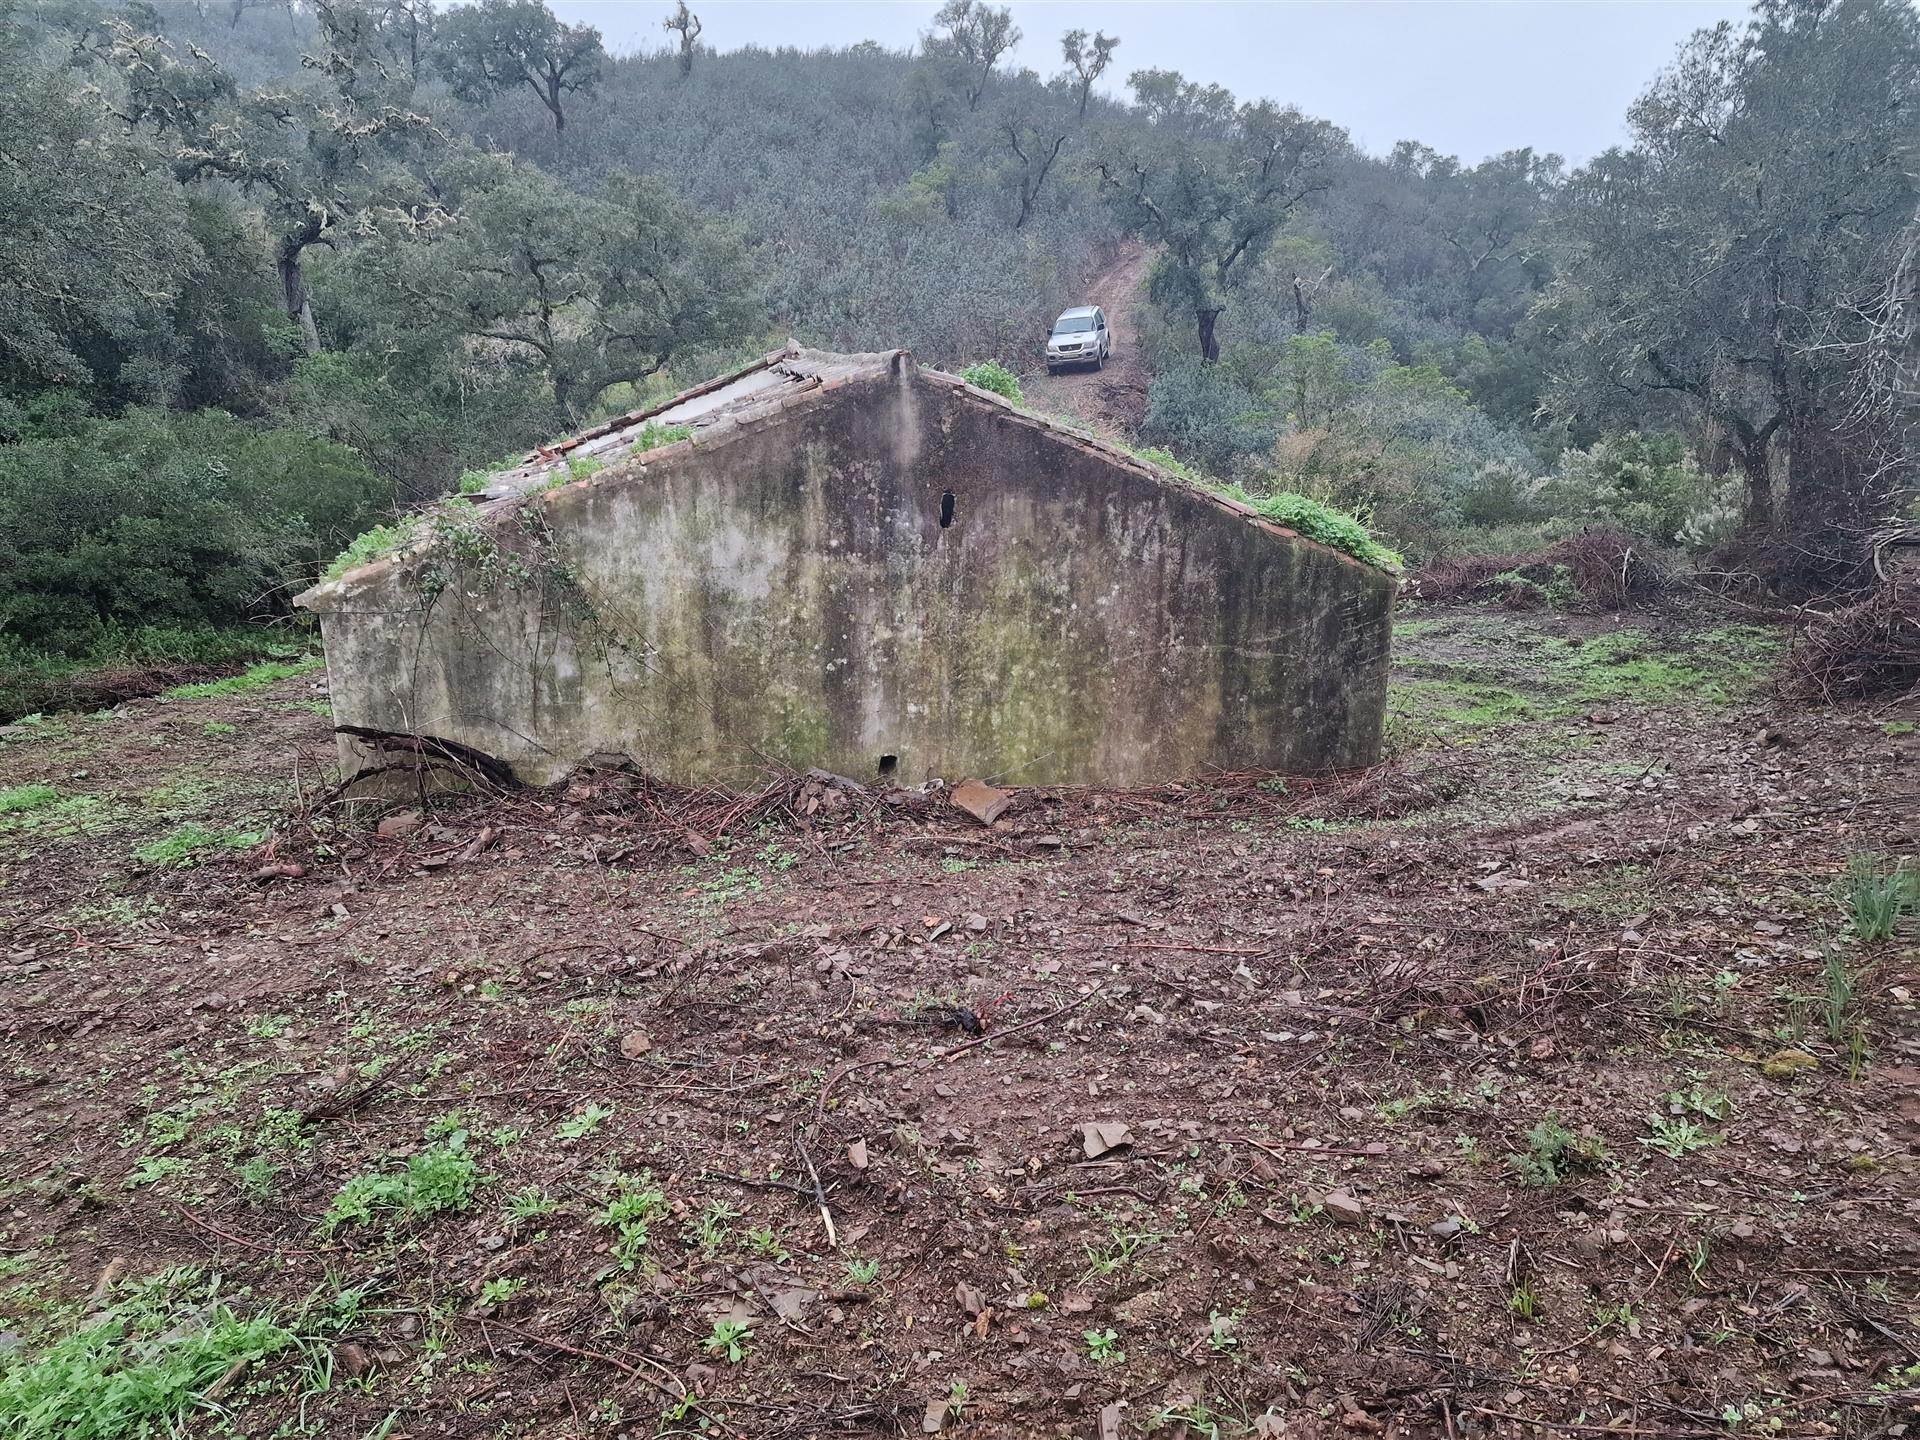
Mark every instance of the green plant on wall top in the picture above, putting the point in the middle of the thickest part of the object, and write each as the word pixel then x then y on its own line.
pixel 992 375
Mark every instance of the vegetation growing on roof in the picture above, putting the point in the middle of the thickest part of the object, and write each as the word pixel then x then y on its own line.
pixel 653 435
pixel 372 544
pixel 472 482
pixel 1333 528
pixel 1312 518
pixel 992 375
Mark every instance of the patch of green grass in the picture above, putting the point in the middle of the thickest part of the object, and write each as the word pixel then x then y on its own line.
pixel 140 1371
pixel 1876 892
pixel 380 540
pixel 472 482
pixel 186 793
pixel 1333 528
pixel 711 1231
pixel 69 815
pixel 153 1168
pixel 1614 890
pixel 530 1202
pixel 653 435
pixel 1517 674
pixel 189 844
pixel 1457 704
pixel 22 798
pixel 255 677
pixel 438 1178
pixel 992 375
pixel 1898 727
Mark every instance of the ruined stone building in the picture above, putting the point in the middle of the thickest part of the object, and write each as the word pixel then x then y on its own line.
pixel 854 563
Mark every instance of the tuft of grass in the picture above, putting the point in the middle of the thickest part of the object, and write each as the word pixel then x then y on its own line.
pixel 22 798
pixel 138 1372
pixel 1333 528
pixel 472 482
pixel 1875 894
pixel 380 540
pixel 189 844
pixel 254 677
pixel 653 435
pixel 585 1123
pixel 530 1202
pixel 1840 989
pixel 439 1178
pixel 1302 514
pixel 992 375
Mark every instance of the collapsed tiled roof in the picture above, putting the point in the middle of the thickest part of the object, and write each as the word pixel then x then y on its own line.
pixel 775 376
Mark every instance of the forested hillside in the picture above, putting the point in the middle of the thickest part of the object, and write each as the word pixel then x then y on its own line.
pixel 270 271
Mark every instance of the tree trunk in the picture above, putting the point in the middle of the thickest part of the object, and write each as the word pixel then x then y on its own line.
pixel 293 287
pixel 1209 342
pixel 1757 512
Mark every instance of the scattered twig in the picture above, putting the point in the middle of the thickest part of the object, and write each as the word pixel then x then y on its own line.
pixel 960 1050
pixel 211 1229
pixel 801 1190
pixel 819 1191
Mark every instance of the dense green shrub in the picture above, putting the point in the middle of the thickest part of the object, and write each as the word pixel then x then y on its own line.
pixel 190 521
pixel 1647 485
pixel 1199 411
pixel 992 375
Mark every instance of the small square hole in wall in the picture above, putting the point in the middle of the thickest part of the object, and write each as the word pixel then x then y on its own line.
pixel 946 509
pixel 889 764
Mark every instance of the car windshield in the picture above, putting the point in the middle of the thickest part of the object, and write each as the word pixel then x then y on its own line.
pixel 1072 324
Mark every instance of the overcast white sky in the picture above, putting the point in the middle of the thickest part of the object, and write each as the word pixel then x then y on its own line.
pixel 1469 79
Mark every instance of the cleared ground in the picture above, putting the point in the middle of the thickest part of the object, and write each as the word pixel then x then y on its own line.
pixel 1543 1076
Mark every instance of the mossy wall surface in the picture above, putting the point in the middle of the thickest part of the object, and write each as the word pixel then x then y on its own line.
pixel 783 589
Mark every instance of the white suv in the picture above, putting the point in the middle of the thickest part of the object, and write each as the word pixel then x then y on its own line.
pixel 1080 337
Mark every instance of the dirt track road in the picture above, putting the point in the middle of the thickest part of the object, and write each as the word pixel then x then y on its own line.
pixel 1112 399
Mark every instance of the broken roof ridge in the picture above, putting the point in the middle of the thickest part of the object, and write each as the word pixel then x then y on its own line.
pixel 793 366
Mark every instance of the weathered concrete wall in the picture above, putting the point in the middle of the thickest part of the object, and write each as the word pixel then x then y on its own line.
pixel 783 587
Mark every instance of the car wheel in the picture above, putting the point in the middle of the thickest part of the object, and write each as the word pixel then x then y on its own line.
pixel 1100 361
